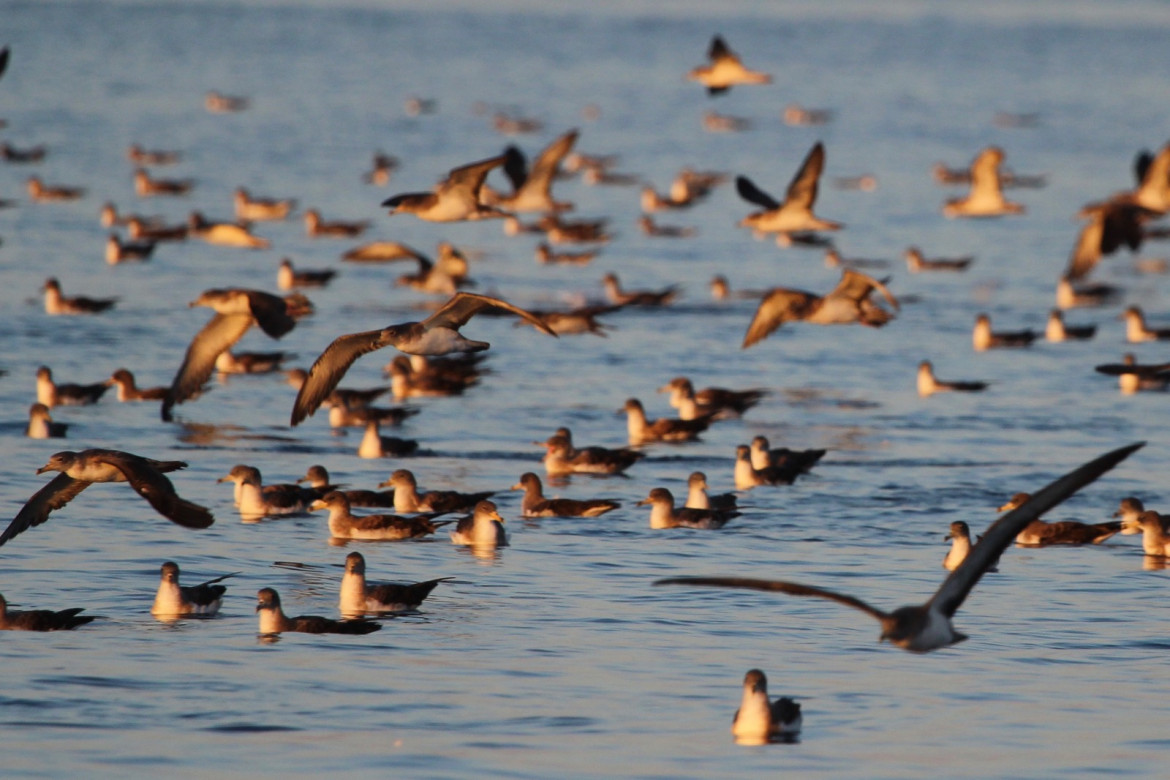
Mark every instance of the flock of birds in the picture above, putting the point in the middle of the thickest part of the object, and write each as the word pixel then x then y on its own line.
pixel 439 360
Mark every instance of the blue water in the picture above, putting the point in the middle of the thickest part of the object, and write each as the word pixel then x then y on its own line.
pixel 556 657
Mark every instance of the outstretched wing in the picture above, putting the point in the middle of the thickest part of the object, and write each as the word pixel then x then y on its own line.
pixel 271 313
pixel 719 50
pixel 776 586
pixel 777 307
pixel 803 188
pixel 330 368
pixel 60 491
pixel 856 286
pixel 753 194
pixel 463 306
pixel 468 179
pixel 158 490
pixel 515 167
pixel 217 336
pixel 1159 370
pixel 1003 531
pixel 985 173
pixel 541 176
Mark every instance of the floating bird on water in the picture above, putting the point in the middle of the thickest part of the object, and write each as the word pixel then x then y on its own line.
pixel 81 469
pixel 562 459
pixel 929 384
pixel 850 301
pixel 620 297
pixel 454 199
pixel 960 539
pixel 175 600
pixel 145 186
pixel 40 192
pixel 118 251
pixel 408 499
pixel 917 263
pixel 1136 329
pixel 223 233
pixel 436 335
pixel 375 445
pixel 642 430
pixel 236 310
pixel 41 425
pixel 136 154
pixel 261 209
pixel 664 515
pixel 218 103
pixel 719 402
pixel 52 394
pixel 256 500
pixel 926 627
pixel 483 530
pixel 1155 540
pixel 288 278
pixel 1134 377
pixel 57 303
pixel 783 459
pixel 359 597
pixel 698 498
pixel 316 227
pixel 984 338
pixel 274 621
pixel 1055 330
pixel 724 70
pixel 534 504
pixel 795 214
pixel 41 619
pixel 318 479
pixel 343 524
pixel 1039 533
pixel 758 720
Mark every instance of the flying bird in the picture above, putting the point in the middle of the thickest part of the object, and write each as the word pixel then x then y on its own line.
pixel 848 302
pixel 532 187
pixel 926 627
pixel 438 334
pixel 81 469
pixel 454 199
pixel 795 214
pixel 724 70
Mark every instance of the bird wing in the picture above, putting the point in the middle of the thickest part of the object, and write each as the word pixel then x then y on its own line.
pixel 158 490
pixel 467 180
pixel 1087 251
pixel 4 53
pixel 424 200
pixel 779 306
pixel 541 176
pixel 803 188
pixel 329 369
pixel 753 194
pixel 463 306
pixel 1117 369
pixel 719 50
pixel 985 172
pixel 218 335
pixel 515 167
pixel 60 491
pixel 271 313
pixel 1003 531
pixel 776 586
pixel 856 286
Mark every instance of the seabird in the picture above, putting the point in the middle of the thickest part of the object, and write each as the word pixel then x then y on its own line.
pixel 41 425
pixel 926 627
pixel 261 209
pixel 664 515
pixel 382 167
pixel 118 251
pixel 382 527
pixel 724 70
pixel 718 402
pixel 714 122
pixel 52 394
pixel 575 321
pixel 379 252
pixel 960 539
pixel 850 301
pixel 146 187
pixel 375 445
pixel 642 430
pixel 546 256
pixel 318 479
pixel 359 597
pixel 916 263
pixel 929 384
pixel 454 199
pixel 136 154
pixel 532 188
pixel 1070 296
pixel 224 233
pixel 342 415
pixel 795 214
pixel 534 504
pixel 236 310
pixel 29 154
pixel 143 230
pixel 620 297
pixel 783 459
pixel 1133 377
pixel 56 303
pixel 483 530
pixel 748 476
pixel 408 499
pixel 1055 330
pixel 1137 331
pixel 406 382
pixel 649 227
pixel 758 720
pixel 316 227
pixel 698 498
pixel 984 338
pixel 81 469
pixel 41 619
pixel 256 500
pixel 562 459
pixel 174 600
pixel 797 115
pixel 1039 533
pixel 1155 540
pixel 436 335
pixel 228 362
pixel 1111 225
pixel 288 278
pixel 274 621
pixel 40 192
pixel 985 198
pixel 218 103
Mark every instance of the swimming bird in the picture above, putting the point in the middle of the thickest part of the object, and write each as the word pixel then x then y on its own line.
pixel 724 70
pixel 375 445
pixel 288 278
pixel 218 103
pixel 118 251
pixel 795 214
pixel 256 500
pixel 642 430
pixel 581 231
pixel 1136 329
pixel 721 290
pixel 483 529
pixel 342 415
pixel 1155 540
pixel 359 597
pixel 1070 296
pixel 432 277
pixel 109 217
pixel 57 303
pixel 926 627
pixel 562 459
pixel 698 498
pixel 758 720
pixel 174 600
pixel 41 619
pixel 81 469
pixel 620 297
pixel 1055 330
pixel 146 187
pixel 380 252
pixel 575 321
pixel 1129 510
pixel 405 382
pixel 916 263
pixel 748 476
pixel 41 425
pixel 224 233
pixel 546 256
pixel 29 154
pixel 515 125
pixel 382 167
pixel 664 515
pixel 52 394
pixel 251 209
pixel 350 398
pixel 138 155
pixel 850 301
pixel 985 199
pixel 1134 377
pixel 318 479
pixel 785 460
pixel 718 402
pixel 343 524
pixel 797 115
pixel 436 335
pixel 714 122
pixel 316 227
pixel 454 199
pixel 408 499
pixel 1039 533
pixel 144 230
pixel 274 621
pixel 532 188
pixel 649 227
pixel 40 192
pixel 960 539
pixel 929 384
pixel 534 504
pixel 236 310
pixel 984 338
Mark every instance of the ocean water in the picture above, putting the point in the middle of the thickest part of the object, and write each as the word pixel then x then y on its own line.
pixel 556 657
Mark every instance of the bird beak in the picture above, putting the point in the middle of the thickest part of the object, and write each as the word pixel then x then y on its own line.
pixel 384 484
pixel 43 469
pixel 318 504
pixel 223 479
pixel 517 486
pixel 643 502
